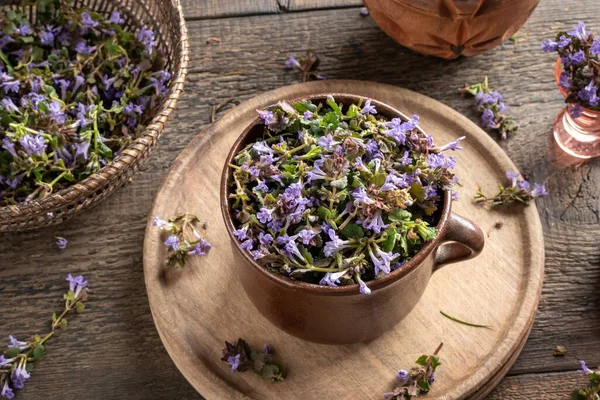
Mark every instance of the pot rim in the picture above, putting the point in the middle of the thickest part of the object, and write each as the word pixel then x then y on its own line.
pixel 375 284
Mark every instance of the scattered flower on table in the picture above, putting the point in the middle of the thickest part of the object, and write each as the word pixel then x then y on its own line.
pixel 307 66
pixel 493 110
pixel 241 358
pixel 592 392
pixel 364 11
pixel 187 237
pixel 519 191
pixel 343 194
pixel 61 242
pixel 76 89
pixel 579 52
pixel 16 362
pixel 417 381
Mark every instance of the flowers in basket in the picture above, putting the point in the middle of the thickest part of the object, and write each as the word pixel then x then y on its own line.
pixel 579 52
pixel 76 88
pixel 336 194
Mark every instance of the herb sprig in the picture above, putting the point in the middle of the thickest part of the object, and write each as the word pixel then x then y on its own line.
pixel 519 191
pixel 16 362
pixel 186 238
pixel 241 357
pixel 418 381
pixel 592 392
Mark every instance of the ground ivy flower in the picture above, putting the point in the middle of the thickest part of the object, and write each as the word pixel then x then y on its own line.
pixel 351 194
pixel 146 37
pixel 184 238
pixel 417 381
pixel 592 392
pixel 519 191
pixel 292 63
pixel 493 110
pixel 61 242
pixel 115 18
pixel 241 358
pixel 306 65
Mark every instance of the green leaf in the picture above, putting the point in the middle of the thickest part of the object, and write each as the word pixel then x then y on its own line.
pixel 340 183
pixel 54 317
pixel 424 385
pixel 12 352
pixel 63 323
pixel 399 215
pixel 417 191
pixel 300 106
pixel 313 153
pixel 331 120
pixel 306 254
pixel 378 179
pixel 334 106
pixel 390 242
pixel 324 213
pixel 69 296
pixel 38 352
pixel 352 230
pixel 7 63
pixel 27 39
pixel 79 306
pixel 422 360
pixel 435 362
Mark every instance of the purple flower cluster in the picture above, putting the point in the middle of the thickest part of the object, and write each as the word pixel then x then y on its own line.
pixel 184 239
pixel 579 52
pixel 86 94
pixel 519 191
pixel 338 194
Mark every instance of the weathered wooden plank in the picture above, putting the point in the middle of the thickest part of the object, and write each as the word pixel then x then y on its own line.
pixel 199 9
pixel 298 5
pixel 114 346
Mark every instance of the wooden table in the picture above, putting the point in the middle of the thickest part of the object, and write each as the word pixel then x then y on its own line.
pixel 112 350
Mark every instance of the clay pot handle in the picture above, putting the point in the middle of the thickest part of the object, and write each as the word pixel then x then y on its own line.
pixel 462 240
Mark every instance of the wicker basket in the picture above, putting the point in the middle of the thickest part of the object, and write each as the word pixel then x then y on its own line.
pixel 166 19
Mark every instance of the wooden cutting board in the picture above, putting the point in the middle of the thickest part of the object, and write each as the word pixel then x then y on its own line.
pixel 196 309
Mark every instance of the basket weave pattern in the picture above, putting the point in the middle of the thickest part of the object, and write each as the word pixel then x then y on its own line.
pixel 165 17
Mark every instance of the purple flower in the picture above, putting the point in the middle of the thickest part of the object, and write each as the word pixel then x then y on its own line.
pixel 257 254
pixel 364 11
pixel 4 361
pixel 524 185
pixel 564 81
pixel 87 21
pixel 455 195
pixel 327 142
pixel 487 118
pixel 241 234
pixel 403 376
pixel 132 108
pixel 7 391
pixel 108 81
pixel 146 37
pixel 360 196
pixel 247 245
pixel 267 348
pixel 584 369
pixel 82 48
pixel 595 48
pixel 292 63
pixel 335 244
pixel 539 190
pixel 6 39
pixel 201 248
pixel 10 85
pixel 579 31
pixel 33 144
pixel 306 116
pixel 368 108
pixel 23 30
pixel 453 145
pixel 16 343
pixel 589 94
pixel 173 242
pixel 574 59
pixel 64 85
pixel 374 223
pixel 9 146
pixel 61 242
pixel 363 288
pixel 8 105
pixel 266 116
pixel 328 280
pixel 47 36
pixel 513 176
pixel 315 174
pixel 563 42
pixel 383 262
pixel 430 191
pixel 549 46
pixel 436 160
pixel 262 186
pixel 265 239
pixel 115 18
pixel 576 111
pixel 431 379
pixel 234 361
pixel 19 376
pixel 56 113
pixel 320 77
pixel 306 235
pixel 162 224
pixel 392 182
pixel 81 149
pixel 265 215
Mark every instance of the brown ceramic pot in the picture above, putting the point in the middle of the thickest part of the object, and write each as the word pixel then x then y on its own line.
pixel 450 28
pixel 342 315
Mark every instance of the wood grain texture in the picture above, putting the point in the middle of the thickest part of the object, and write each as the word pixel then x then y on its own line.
pixel 113 351
pixel 300 5
pixel 194 310
pixel 201 9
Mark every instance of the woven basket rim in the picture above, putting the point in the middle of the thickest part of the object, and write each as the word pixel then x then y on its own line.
pixel 152 130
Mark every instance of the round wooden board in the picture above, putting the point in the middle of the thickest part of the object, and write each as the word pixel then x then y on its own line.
pixel 196 309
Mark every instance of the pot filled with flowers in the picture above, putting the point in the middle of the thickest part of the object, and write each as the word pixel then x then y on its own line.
pixel 339 211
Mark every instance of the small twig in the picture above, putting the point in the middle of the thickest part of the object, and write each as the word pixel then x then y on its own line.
pixel 435 353
pixel 497 225
pixel 213 40
pixel 218 107
pixel 463 322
